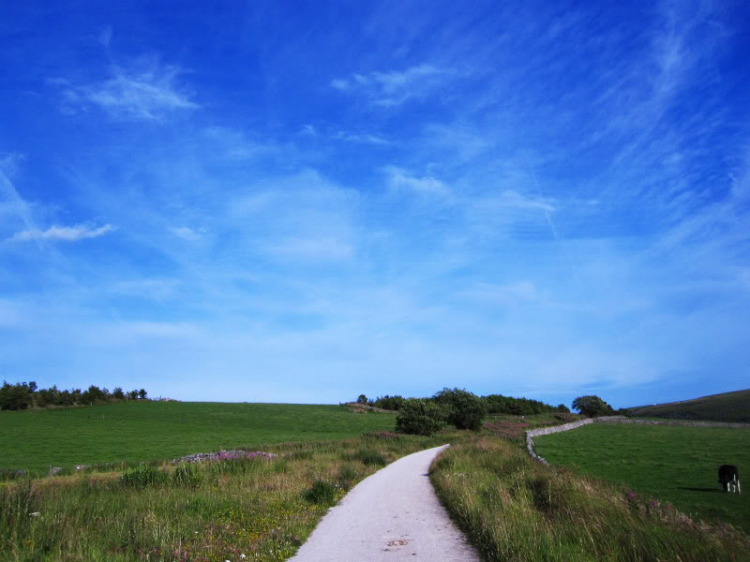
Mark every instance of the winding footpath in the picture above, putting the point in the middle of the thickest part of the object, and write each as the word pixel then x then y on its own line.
pixel 393 515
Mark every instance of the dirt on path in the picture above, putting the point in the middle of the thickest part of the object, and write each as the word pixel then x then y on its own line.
pixel 393 515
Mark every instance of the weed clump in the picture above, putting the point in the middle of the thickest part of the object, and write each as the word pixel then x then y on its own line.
pixel 143 476
pixel 321 492
pixel 369 457
pixel 347 474
pixel 186 476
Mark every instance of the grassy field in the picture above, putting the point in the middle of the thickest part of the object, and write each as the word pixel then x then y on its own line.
pixel 515 509
pixel 727 407
pixel 145 431
pixel 674 464
pixel 256 509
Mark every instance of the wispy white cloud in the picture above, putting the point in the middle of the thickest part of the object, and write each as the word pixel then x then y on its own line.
pixel 186 233
pixel 234 144
pixel 503 294
pixel 399 178
pixel 145 90
pixel 11 202
pixel 365 138
pixel 63 233
pixel 148 288
pixel 317 248
pixel 393 88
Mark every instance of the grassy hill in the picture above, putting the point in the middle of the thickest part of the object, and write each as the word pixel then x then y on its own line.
pixel 726 407
pixel 144 431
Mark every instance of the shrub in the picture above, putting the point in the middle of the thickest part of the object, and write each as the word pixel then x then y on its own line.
pixel 142 476
pixel 362 399
pixel 347 474
pixel 465 409
pixel 389 402
pixel 419 417
pixel 321 492
pixel 592 406
pixel 370 457
pixel 499 404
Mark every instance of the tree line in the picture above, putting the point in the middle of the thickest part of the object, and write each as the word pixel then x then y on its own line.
pixel 466 410
pixel 21 396
pixel 493 404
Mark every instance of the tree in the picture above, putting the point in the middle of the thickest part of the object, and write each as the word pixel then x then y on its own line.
pixel 420 417
pixel 118 394
pixel 562 408
pixel 14 396
pixel 592 406
pixel 465 409
pixel 389 402
pixel 142 394
pixel 362 399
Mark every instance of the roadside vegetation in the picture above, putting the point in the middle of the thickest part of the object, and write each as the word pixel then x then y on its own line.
pixel 234 509
pixel 518 510
pixel 671 463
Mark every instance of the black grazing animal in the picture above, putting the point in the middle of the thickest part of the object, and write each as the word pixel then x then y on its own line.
pixel 729 478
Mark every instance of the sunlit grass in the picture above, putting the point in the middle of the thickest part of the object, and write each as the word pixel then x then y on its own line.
pixel 262 509
pixel 516 509
pixel 146 431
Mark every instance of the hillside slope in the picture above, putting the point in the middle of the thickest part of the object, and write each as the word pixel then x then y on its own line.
pixel 726 407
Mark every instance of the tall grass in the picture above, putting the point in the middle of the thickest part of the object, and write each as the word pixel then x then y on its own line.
pixel 219 510
pixel 515 509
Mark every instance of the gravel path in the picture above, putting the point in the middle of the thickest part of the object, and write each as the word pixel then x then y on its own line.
pixel 392 515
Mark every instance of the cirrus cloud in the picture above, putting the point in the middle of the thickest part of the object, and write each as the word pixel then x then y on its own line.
pixel 62 233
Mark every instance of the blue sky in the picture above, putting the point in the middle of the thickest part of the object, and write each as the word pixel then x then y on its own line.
pixel 305 201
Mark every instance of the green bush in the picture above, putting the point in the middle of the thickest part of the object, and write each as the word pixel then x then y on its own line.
pixel 321 492
pixel 347 474
pixel 592 406
pixel 499 404
pixel 465 409
pixel 420 417
pixel 389 402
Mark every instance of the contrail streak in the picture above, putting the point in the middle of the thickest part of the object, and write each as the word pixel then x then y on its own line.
pixel 550 223
pixel 18 204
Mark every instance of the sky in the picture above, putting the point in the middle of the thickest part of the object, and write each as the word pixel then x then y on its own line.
pixel 304 201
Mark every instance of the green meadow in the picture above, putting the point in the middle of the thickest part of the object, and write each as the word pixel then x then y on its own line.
pixel 668 463
pixel 133 432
